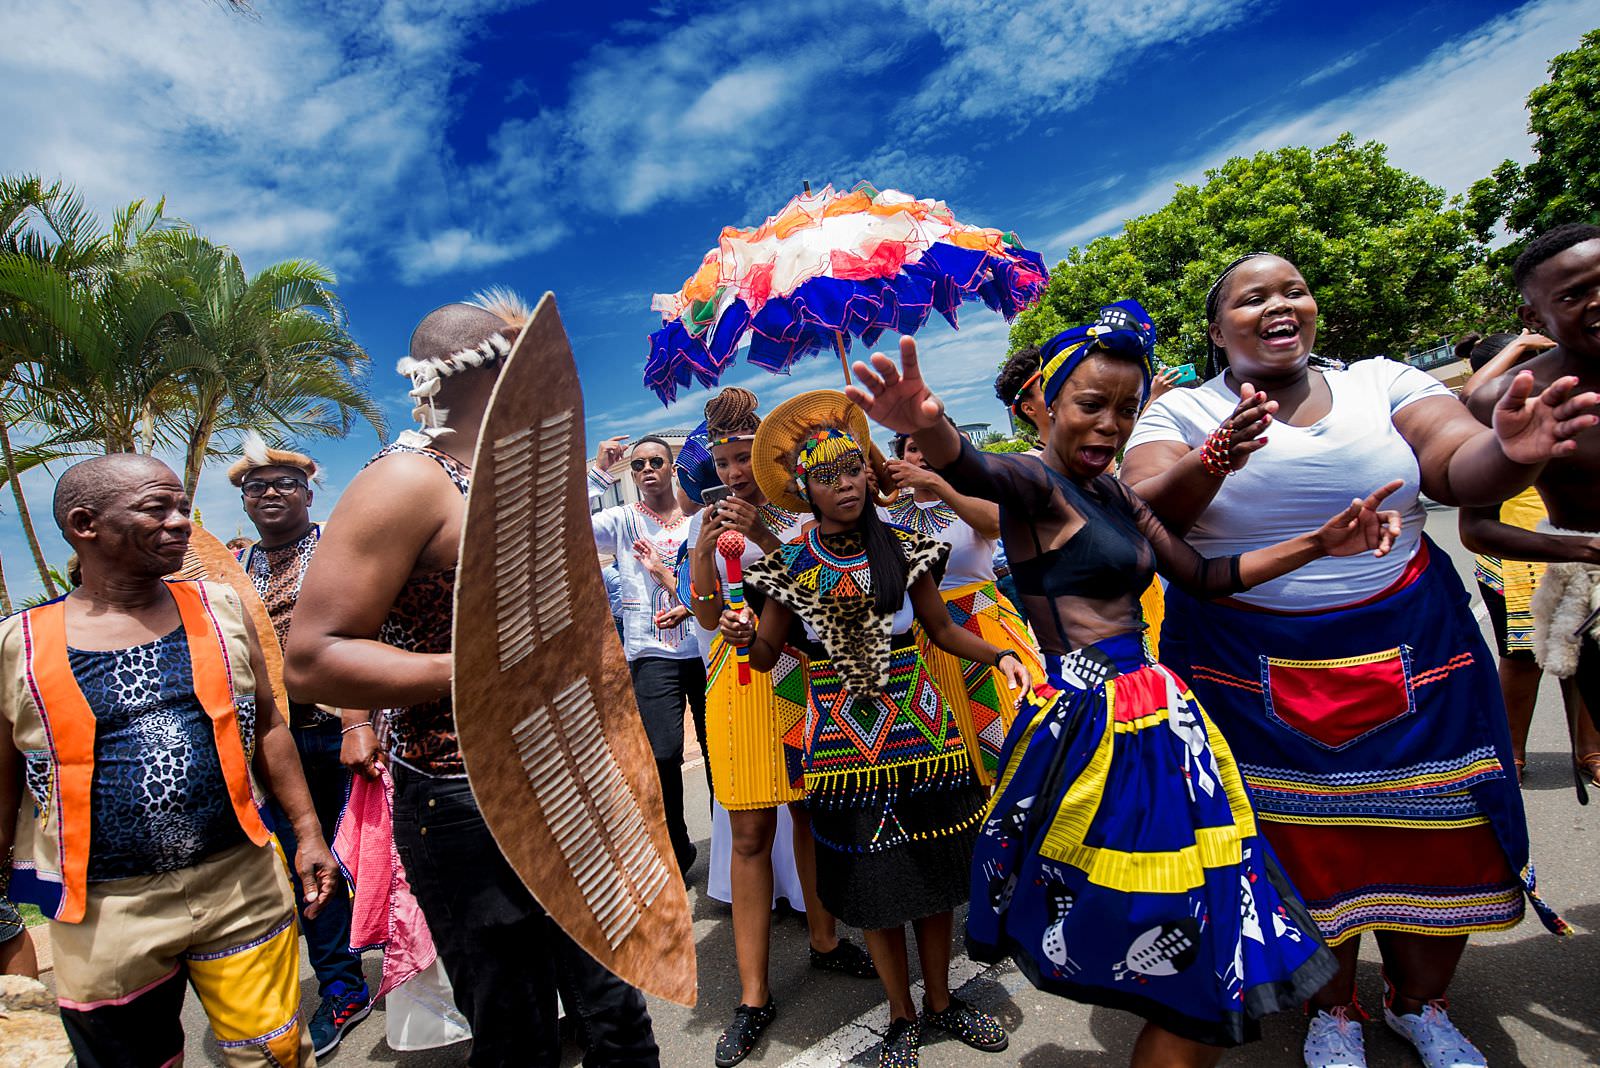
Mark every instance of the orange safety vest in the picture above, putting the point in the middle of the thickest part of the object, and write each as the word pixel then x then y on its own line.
pixel 69 725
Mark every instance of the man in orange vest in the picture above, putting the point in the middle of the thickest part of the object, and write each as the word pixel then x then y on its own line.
pixel 131 712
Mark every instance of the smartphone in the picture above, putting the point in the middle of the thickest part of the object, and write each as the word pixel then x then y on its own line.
pixel 1186 374
pixel 710 497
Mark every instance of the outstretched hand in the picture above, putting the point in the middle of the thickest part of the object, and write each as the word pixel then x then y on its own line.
pixel 1533 429
pixel 896 397
pixel 1362 527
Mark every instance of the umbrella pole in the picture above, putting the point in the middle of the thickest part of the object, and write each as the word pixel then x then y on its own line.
pixel 844 362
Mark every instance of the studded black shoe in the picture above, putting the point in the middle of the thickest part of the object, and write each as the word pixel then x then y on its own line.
pixel 846 958
pixel 743 1034
pixel 977 1029
pixel 902 1046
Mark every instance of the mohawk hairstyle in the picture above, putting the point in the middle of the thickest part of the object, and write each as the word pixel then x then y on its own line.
pixel 1547 245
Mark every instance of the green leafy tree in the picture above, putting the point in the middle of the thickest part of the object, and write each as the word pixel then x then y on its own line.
pixel 1561 185
pixel 46 225
pixel 1381 248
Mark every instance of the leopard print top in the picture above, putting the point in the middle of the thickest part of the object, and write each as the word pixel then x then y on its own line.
pixel 159 801
pixel 824 579
pixel 424 736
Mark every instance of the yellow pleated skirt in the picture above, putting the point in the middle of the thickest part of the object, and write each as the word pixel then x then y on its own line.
pixel 755 734
pixel 989 706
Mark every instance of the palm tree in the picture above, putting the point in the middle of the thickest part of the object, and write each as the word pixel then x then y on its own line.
pixel 51 226
pixel 269 352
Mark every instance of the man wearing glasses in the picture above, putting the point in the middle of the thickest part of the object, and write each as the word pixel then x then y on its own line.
pixel 276 485
pixel 663 657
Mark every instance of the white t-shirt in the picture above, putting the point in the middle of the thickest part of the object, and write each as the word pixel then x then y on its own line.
pixel 1305 475
pixel 752 553
pixel 642 597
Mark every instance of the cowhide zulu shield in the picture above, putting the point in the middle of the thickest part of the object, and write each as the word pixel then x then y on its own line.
pixel 207 558
pixel 544 706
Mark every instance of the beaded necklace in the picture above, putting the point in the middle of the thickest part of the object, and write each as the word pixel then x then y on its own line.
pixel 927 521
pixel 646 510
pixel 775 519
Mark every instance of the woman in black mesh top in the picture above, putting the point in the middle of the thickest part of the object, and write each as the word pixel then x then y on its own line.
pixel 1120 864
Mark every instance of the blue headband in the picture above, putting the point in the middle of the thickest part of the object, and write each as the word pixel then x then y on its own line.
pixel 1123 328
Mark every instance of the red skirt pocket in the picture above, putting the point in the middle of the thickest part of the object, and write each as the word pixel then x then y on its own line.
pixel 1336 703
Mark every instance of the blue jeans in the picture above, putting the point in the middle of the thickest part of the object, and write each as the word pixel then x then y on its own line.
pixel 328 934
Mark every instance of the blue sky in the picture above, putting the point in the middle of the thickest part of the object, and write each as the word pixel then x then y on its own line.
pixel 427 148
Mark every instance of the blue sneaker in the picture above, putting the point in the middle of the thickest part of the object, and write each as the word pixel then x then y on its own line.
pixel 341 1009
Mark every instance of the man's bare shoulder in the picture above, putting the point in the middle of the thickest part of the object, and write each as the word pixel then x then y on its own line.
pixel 396 482
pixel 1547 366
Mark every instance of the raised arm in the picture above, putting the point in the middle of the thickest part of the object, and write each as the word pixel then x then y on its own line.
pixel 1174 478
pixel 981 515
pixel 1363 526
pixel 390 522
pixel 1526 345
pixel 1466 463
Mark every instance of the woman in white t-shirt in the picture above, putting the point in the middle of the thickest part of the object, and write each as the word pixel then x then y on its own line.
pixel 971 528
pixel 1356 693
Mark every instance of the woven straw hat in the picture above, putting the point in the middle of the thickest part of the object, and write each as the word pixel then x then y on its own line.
pixel 790 423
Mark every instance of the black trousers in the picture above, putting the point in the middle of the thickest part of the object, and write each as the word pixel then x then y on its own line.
pixel 505 957
pixel 661 685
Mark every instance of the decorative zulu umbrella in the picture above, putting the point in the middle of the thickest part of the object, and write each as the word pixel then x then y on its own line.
pixel 827 267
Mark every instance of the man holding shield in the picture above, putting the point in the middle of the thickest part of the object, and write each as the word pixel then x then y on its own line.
pixel 373 630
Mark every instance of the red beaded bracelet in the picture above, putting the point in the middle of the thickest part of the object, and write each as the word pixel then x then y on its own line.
pixel 1216 455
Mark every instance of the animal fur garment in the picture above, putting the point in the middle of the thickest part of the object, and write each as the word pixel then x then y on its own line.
pixel 1566 596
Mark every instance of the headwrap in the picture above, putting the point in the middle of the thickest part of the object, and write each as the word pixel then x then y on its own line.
pixel 1123 328
pixel 821 457
pixel 258 454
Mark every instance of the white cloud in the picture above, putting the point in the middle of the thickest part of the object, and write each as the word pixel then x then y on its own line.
pixel 312 130
pixel 1451 118
pixel 1025 59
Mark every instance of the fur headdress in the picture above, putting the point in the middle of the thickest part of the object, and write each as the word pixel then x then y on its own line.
pixel 258 454
pixel 428 370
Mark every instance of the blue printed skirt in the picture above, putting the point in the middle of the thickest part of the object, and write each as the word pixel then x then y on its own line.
pixel 1120 864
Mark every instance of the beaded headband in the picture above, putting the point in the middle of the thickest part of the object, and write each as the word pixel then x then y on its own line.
pixel 822 456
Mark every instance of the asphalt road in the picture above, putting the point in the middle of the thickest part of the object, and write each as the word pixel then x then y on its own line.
pixel 1524 996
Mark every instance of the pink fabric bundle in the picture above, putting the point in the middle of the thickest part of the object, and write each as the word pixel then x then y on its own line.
pixel 384 915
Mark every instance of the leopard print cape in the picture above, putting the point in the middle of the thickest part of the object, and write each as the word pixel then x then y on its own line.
pixel 825 580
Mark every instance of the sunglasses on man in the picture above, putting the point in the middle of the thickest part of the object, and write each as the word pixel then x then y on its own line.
pixel 656 462
pixel 257 487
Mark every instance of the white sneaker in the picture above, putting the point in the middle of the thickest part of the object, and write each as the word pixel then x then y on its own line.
pixel 1438 1042
pixel 1334 1041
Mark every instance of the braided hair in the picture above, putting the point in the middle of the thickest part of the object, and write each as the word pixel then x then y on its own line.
pixel 731 413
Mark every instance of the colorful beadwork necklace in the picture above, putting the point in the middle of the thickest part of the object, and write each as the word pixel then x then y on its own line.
pixel 930 522
pixel 775 519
